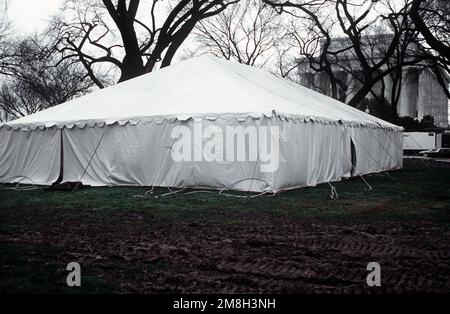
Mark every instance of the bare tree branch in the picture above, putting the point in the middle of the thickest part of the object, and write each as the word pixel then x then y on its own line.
pixel 91 35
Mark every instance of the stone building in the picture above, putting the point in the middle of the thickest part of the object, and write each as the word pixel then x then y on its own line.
pixel 420 92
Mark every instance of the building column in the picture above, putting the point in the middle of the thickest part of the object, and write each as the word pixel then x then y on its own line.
pixel 307 79
pixel 343 76
pixel 353 86
pixel 432 100
pixel 407 105
pixel 388 85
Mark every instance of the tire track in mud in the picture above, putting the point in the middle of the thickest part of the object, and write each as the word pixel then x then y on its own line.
pixel 346 258
pixel 282 256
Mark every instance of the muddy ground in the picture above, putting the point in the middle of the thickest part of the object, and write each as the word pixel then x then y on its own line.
pixel 298 243
pixel 277 257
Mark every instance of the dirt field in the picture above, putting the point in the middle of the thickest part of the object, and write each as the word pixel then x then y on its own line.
pixel 299 242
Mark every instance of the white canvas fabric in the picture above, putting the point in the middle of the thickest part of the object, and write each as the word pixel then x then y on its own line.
pixel 124 134
pixel 30 157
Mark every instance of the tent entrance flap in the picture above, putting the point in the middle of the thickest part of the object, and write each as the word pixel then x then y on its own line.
pixel 352 156
pixel 61 159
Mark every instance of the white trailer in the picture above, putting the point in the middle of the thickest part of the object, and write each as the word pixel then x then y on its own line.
pixel 419 140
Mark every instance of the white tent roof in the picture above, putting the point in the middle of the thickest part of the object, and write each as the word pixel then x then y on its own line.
pixel 199 87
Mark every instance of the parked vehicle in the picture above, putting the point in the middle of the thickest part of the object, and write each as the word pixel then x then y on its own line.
pixel 436 152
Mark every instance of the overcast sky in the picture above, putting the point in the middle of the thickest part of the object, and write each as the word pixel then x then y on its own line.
pixel 29 16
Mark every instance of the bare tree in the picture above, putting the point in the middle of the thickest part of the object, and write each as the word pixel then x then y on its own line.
pixel 372 40
pixel 432 20
pixel 312 39
pixel 36 85
pixel 113 32
pixel 358 51
pixel 247 32
pixel 7 53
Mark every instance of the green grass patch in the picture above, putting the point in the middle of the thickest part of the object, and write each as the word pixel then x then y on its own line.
pixel 413 194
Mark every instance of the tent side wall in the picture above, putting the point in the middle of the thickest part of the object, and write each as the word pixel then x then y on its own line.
pixel 309 153
pixel 377 149
pixel 29 157
pixel 217 153
pixel 312 153
pixel 151 154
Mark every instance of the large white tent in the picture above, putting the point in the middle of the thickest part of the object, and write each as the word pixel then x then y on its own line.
pixel 201 123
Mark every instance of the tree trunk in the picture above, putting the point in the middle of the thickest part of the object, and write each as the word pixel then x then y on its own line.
pixel 362 93
pixel 178 39
pixel 132 64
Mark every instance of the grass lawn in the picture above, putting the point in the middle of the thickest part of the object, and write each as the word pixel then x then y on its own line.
pixel 299 241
